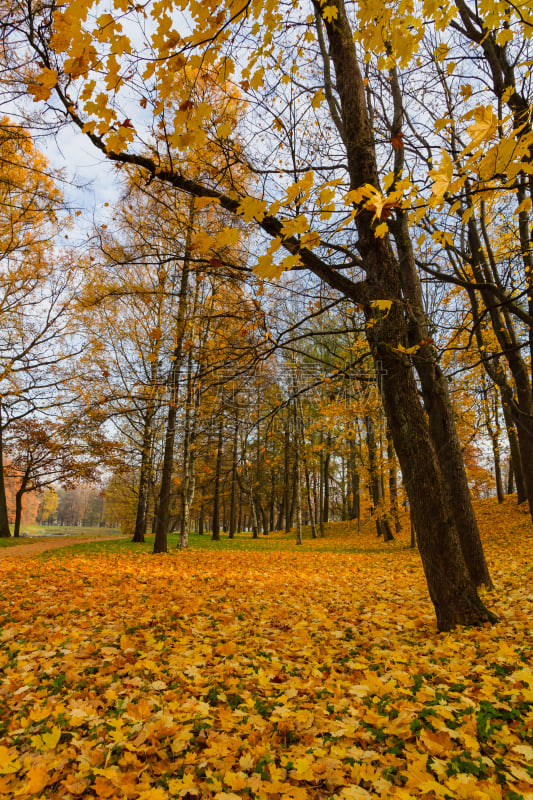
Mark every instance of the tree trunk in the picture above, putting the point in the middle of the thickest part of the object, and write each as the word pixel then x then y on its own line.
pixel 300 430
pixel 515 461
pixel 327 458
pixel 451 588
pixel 233 490
pixel 18 500
pixel 287 483
pixel 353 480
pixel 272 504
pixel 5 532
pixel 160 543
pixel 297 481
pixel 321 490
pixel 218 469
pixel 201 519
pixel 144 479
pixel 393 483
pixel 437 402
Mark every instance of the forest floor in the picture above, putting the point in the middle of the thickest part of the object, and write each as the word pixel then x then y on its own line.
pixel 264 671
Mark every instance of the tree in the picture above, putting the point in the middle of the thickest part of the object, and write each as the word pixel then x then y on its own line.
pixel 366 252
pixel 36 338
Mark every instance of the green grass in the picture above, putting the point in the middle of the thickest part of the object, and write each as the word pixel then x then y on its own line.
pixel 334 541
pixel 42 533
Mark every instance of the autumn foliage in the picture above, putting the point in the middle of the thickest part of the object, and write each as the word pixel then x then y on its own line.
pixel 296 674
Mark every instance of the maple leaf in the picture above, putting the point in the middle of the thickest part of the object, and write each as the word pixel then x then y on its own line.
pixel 442 176
pixel 397 141
pixel 330 13
pixel 484 127
pixel 41 87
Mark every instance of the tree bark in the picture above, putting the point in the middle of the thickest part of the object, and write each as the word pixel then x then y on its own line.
pixel 233 490
pixel 218 470
pixel 451 588
pixel 18 500
pixel 160 542
pixel 297 479
pixel 393 483
pixel 5 531
pixel 144 479
pixel 327 459
pixel 515 461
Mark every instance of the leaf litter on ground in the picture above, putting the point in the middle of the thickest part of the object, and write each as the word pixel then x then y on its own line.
pixel 292 675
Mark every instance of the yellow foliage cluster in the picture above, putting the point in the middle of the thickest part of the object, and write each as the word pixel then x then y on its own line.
pixel 264 675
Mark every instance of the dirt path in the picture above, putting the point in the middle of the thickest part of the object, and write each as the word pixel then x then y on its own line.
pixel 26 549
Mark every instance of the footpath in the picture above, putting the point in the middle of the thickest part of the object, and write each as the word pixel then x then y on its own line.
pixel 35 548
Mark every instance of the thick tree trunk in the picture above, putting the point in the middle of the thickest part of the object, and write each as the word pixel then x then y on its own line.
pixel 450 584
pixel 438 406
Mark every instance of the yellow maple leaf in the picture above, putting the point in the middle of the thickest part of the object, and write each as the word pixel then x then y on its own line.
pixel 484 126
pixel 8 762
pixel 442 176
pixel 251 208
pixel 330 13
pixel 381 305
pixel 317 99
pixel 42 85
pixel 224 130
pixel 47 741
pixel 38 778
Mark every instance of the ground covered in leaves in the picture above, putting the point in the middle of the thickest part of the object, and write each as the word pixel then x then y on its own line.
pixel 311 674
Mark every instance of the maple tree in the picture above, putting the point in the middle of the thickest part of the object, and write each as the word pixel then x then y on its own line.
pixel 367 216
pixel 37 284
pixel 46 453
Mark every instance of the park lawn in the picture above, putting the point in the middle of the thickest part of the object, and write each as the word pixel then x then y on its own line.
pixel 41 533
pixel 309 673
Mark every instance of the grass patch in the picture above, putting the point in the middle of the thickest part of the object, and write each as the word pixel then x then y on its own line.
pixel 40 533
pixel 340 537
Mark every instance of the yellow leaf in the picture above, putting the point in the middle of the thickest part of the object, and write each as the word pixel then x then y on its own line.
pixel 41 87
pixel 251 208
pixel 442 176
pixel 525 205
pixel 317 99
pixel 330 13
pixel 484 126
pixel 355 793
pixel 382 305
pixel 224 130
pixel 8 762
pixel 38 778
